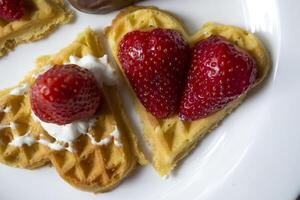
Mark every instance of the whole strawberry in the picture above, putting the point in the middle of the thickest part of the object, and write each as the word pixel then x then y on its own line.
pixel 64 94
pixel 12 10
pixel 220 72
pixel 156 64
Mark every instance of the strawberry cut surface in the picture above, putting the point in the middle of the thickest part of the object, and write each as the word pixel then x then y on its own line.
pixel 65 93
pixel 12 10
pixel 156 63
pixel 220 72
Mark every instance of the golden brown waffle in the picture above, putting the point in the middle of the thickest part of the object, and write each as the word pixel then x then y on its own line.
pixel 94 168
pixel 20 115
pixel 41 18
pixel 171 139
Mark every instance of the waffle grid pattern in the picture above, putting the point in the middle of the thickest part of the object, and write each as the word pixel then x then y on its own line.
pixel 41 18
pixel 95 168
pixel 171 139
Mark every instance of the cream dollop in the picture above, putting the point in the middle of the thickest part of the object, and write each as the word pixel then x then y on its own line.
pixel 68 133
pixel 42 71
pixel 28 140
pixel 103 73
pixel 116 135
pixel 6 109
pixel 55 145
pixel 19 141
pixel 100 68
pixel 21 90
pixel 11 125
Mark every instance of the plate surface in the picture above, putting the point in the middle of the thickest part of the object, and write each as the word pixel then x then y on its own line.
pixel 253 154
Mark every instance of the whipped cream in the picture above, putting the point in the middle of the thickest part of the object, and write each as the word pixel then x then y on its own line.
pixel 65 135
pixel 116 135
pixel 11 125
pixel 19 91
pixel 19 141
pixel 42 71
pixel 28 140
pixel 68 133
pixel 55 145
pixel 6 109
pixel 104 141
pixel 100 68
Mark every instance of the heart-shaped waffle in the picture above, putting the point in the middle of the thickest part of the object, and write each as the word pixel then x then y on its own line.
pixel 171 139
pixel 41 18
pixel 96 161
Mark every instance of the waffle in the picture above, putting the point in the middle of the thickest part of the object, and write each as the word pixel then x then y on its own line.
pixel 42 17
pixel 95 168
pixel 171 139
pixel 18 121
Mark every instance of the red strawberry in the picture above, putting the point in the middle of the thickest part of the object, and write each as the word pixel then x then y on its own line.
pixel 65 93
pixel 156 64
pixel 11 10
pixel 220 72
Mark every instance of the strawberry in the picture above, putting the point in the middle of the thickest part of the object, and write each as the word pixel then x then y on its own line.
pixel 220 72
pixel 156 63
pixel 65 93
pixel 12 10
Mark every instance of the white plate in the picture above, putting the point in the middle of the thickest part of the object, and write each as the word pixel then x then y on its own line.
pixel 254 154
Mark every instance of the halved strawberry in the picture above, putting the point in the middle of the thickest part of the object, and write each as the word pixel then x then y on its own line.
pixel 65 93
pixel 220 72
pixel 156 64
pixel 11 10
